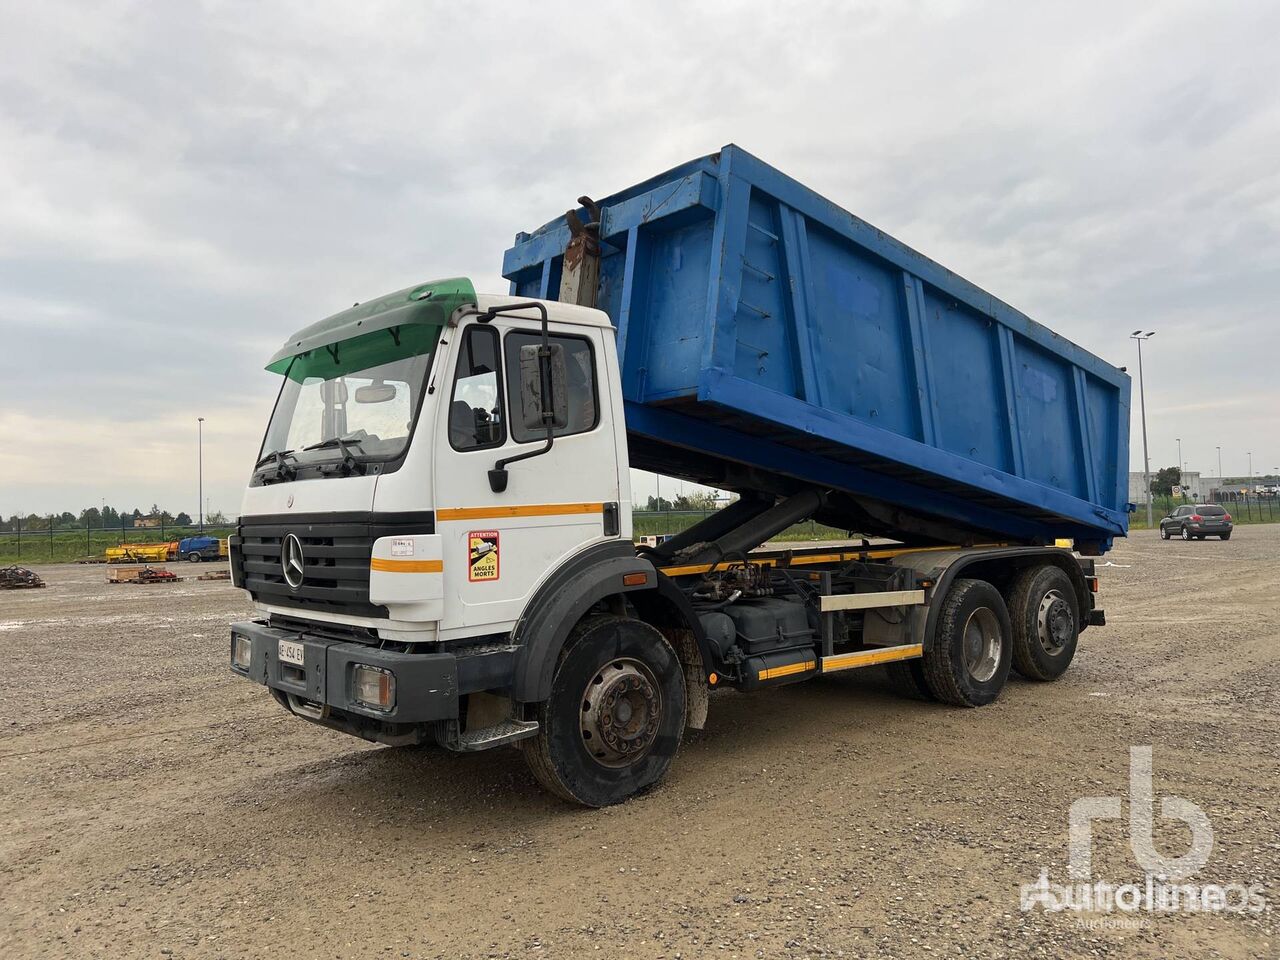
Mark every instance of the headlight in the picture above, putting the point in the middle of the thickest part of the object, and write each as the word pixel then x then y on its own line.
pixel 373 687
pixel 241 652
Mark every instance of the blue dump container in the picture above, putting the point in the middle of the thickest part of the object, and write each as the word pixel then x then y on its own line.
pixel 768 336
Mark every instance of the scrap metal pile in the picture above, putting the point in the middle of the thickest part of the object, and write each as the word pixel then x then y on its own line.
pixel 19 578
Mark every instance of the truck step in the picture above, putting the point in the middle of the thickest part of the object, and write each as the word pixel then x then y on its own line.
pixel 870 601
pixel 869 658
pixel 508 731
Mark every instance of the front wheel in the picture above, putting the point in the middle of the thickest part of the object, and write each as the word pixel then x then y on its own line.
pixel 1164 532
pixel 193 557
pixel 968 662
pixel 615 718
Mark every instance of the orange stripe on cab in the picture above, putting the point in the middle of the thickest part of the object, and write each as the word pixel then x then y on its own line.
pixel 519 510
pixel 406 566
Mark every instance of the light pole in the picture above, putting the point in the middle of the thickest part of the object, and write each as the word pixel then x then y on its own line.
pixel 1249 454
pixel 1182 467
pixel 200 469
pixel 1142 398
pixel 1219 466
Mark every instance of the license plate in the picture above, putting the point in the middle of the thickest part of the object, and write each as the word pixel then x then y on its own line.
pixel 291 652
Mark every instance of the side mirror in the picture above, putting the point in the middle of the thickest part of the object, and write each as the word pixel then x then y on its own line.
pixel 536 407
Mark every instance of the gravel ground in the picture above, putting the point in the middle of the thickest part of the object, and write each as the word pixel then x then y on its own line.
pixel 154 805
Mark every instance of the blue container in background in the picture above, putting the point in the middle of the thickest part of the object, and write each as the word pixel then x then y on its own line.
pixel 763 330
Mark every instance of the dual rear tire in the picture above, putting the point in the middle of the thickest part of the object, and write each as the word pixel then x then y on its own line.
pixel 968 663
pixel 980 637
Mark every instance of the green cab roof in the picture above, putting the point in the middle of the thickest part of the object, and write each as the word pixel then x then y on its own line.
pixel 429 303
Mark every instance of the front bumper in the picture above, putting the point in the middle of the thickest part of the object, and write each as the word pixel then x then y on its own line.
pixel 1208 529
pixel 427 684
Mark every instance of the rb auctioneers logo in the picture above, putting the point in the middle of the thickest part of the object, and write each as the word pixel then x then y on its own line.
pixel 1164 889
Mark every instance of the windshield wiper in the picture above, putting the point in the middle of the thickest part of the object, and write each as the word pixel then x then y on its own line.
pixel 349 462
pixel 281 459
pixel 276 455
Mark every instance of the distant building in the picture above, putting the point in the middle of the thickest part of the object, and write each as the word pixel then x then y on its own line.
pixel 1197 488
pixel 146 522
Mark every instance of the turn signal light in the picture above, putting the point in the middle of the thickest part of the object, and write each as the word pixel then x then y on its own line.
pixel 634 579
pixel 373 687
pixel 241 652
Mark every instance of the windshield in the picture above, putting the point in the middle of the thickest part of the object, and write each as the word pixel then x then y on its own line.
pixel 352 401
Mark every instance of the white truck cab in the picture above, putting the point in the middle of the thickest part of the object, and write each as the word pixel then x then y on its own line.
pixel 424 414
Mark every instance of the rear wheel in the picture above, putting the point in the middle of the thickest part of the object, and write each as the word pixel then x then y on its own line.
pixel 1046 622
pixel 1186 533
pixel 1226 536
pixel 615 717
pixel 968 662
pixel 907 679
pixel 193 557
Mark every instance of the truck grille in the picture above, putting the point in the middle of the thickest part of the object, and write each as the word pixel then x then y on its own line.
pixel 336 548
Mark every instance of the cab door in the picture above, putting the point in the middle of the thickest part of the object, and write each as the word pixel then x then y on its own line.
pixel 499 546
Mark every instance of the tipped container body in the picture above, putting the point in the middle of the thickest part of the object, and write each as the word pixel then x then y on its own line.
pixel 760 325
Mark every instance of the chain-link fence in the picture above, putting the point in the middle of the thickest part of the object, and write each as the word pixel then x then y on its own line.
pixel 60 544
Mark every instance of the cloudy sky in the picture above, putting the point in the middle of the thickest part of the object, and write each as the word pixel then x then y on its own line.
pixel 183 184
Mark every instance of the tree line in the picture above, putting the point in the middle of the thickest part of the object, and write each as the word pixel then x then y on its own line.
pixel 689 501
pixel 104 517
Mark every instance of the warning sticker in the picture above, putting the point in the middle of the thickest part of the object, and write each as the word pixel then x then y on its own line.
pixel 482 549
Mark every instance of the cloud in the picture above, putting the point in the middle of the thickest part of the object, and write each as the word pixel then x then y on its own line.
pixel 182 185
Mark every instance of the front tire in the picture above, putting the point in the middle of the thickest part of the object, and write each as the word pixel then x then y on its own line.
pixel 616 714
pixel 968 663
pixel 1164 532
pixel 1046 622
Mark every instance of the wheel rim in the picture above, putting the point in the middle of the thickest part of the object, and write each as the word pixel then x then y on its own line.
pixel 982 644
pixel 620 713
pixel 1054 622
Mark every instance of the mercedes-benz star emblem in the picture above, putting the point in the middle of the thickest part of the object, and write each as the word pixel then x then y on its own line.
pixel 291 561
